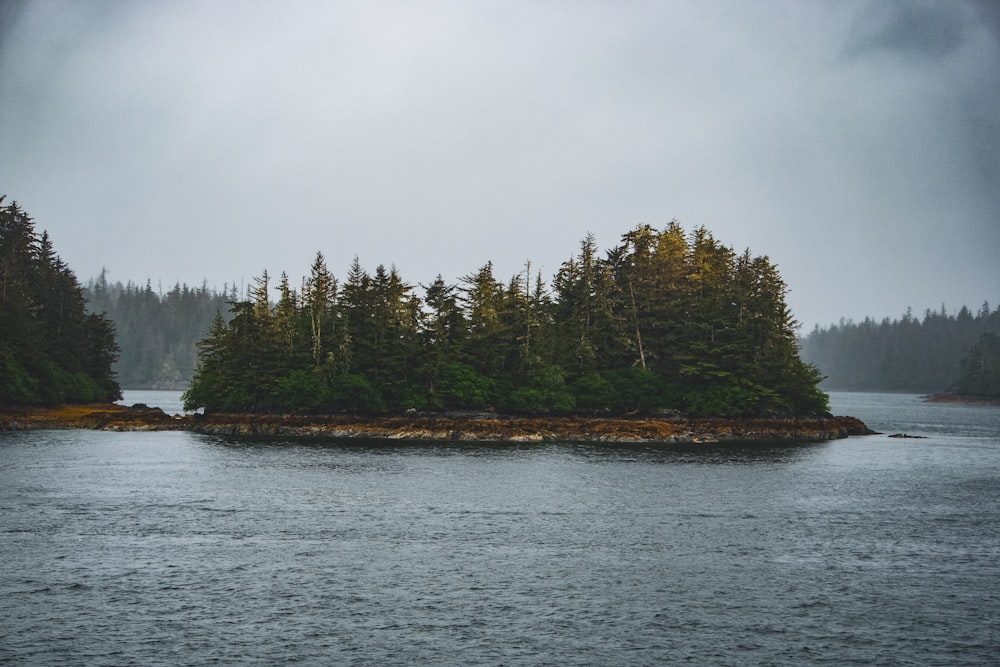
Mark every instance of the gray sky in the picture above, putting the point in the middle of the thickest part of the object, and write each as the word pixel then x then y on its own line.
pixel 855 143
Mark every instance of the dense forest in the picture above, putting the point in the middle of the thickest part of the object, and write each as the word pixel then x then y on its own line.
pixel 157 331
pixel 662 321
pixel 51 350
pixel 906 354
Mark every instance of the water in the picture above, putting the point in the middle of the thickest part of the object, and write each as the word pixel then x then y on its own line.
pixel 180 549
pixel 168 401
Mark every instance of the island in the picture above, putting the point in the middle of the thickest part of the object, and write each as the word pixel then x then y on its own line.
pixel 668 336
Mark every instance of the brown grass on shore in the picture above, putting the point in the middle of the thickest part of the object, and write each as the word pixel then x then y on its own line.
pixel 106 416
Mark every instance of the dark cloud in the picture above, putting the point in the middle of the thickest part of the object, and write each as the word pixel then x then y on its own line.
pixel 989 14
pixel 10 14
pixel 922 28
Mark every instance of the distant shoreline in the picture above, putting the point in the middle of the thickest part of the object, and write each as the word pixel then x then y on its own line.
pixel 472 428
pixel 957 398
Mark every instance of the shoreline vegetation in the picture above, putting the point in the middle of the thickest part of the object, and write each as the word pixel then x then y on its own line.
pixel 471 427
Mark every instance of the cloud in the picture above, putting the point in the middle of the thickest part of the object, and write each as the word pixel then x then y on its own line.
pixel 914 28
pixel 856 144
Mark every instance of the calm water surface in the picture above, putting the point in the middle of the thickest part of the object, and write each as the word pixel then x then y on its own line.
pixel 180 549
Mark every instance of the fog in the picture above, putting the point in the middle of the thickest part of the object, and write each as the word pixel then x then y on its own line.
pixel 857 144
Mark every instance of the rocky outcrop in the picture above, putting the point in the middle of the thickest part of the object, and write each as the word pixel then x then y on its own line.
pixel 485 427
pixel 535 429
pixel 104 417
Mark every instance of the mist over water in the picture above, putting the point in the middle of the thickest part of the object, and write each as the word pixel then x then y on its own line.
pixel 174 548
pixel 168 401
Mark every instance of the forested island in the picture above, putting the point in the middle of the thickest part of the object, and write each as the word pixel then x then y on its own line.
pixel 940 353
pixel 663 322
pixel 667 337
pixel 954 355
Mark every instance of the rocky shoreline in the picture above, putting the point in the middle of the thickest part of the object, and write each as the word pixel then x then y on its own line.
pixel 478 427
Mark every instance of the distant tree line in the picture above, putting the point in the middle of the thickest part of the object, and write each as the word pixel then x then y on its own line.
pixel 979 372
pixel 157 331
pixel 906 354
pixel 51 350
pixel 662 321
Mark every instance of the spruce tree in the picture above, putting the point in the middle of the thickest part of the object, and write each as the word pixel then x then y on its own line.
pixel 51 351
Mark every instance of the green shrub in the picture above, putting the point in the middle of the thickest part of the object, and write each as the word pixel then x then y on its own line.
pixel 354 393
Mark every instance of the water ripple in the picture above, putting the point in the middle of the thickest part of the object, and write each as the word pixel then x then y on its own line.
pixel 173 549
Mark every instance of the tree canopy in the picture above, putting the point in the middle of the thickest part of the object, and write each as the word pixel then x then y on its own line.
pixel 51 350
pixel 665 320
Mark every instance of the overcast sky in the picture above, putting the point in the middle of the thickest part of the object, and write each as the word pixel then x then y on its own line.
pixel 855 143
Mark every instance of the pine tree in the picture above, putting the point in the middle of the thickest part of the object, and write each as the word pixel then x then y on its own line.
pixel 488 341
pixel 50 351
pixel 443 331
pixel 584 311
pixel 979 374
pixel 319 299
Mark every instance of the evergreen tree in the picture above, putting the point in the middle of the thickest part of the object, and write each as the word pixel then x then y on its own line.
pixel 980 368
pixel 320 298
pixel 664 321
pixel 212 386
pixel 395 336
pixel 51 351
pixel 488 340
pixel 443 330
pixel 584 311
